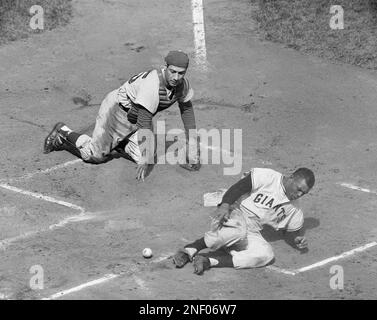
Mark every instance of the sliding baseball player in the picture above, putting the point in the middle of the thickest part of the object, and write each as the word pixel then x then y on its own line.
pixel 263 197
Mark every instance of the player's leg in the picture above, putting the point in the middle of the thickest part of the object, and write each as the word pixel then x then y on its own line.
pixel 112 126
pixel 249 252
pixel 216 259
pixel 232 234
pixel 58 140
pixel 63 138
pixel 257 253
pixel 132 148
pixel 252 252
pixel 185 255
pixel 233 231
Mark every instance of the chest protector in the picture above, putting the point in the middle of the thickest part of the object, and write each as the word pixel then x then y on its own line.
pixel 164 101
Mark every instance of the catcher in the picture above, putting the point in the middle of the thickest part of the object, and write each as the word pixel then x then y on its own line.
pixel 263 196
pixel 128 110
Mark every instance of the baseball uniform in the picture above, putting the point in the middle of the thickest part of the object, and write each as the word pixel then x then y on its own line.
pixel 119 111
pixel 267 204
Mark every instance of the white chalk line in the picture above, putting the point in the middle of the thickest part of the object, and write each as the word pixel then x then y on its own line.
pixel 354 187
pixel 335 258
pixel 323 262
pixel 77 218
pixel 212 199
pixel 281 270
pixel 92 283
pixel 8 241
pixel 140 282
pixel 32 174
pixel 199 33
pixel 40 196
pixel 162 257
pixel 80 217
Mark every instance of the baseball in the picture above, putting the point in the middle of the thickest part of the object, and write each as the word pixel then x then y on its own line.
pixel 147 253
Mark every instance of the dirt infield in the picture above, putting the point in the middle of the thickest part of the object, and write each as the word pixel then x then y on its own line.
pixel 85 223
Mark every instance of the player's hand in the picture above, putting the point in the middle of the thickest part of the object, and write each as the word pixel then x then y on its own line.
pixel 143 171
pixel 191 166
pixel 301 242
pixel 193 156
pixel 222 214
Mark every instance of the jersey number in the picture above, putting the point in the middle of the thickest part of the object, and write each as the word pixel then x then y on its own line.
pixel 135 77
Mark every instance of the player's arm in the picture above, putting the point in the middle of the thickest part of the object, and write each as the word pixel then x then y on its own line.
pixel 297 239
pixel 188 119
pixel 236 191
pixel 186 108
pixel 293 226
pixel 187 115
pixel 144 124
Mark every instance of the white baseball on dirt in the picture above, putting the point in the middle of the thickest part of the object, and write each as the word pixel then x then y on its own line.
pixel 147 253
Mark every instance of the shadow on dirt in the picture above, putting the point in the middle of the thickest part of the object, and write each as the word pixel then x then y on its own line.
pixel 271 235
pixel 83 103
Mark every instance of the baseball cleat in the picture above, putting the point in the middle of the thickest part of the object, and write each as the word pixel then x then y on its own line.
pixel 201 264
pixel 55 139
pixel 181 258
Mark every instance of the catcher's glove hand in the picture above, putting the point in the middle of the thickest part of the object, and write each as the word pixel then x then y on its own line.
pixel 192 155
pixel 194 165
pixel 191 166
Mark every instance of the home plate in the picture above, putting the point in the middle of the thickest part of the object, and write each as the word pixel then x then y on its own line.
pixel 212 199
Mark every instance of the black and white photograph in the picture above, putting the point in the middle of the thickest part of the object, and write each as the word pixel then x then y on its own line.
pixel 198 152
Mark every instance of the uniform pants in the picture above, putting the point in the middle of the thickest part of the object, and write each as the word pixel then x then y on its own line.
pixel 241 237
pixel 112 126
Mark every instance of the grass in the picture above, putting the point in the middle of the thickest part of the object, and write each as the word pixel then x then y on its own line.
pixel 15 17
pixel 304 25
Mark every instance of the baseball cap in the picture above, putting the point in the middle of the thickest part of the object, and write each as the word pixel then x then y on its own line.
pixel 177 58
